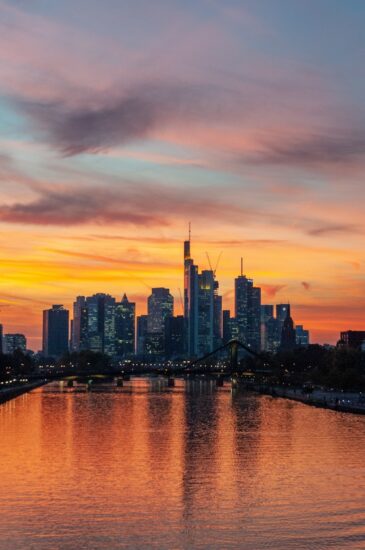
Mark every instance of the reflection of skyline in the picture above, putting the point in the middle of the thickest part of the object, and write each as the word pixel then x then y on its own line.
pixel 185 465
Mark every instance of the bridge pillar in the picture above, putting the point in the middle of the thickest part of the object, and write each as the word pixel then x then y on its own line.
pixel 171 382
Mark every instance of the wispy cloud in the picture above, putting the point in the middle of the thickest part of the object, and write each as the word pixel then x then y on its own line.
pixel 329 145
pixel 130 204
pixel 123 263
pixel 272 290
pixel 330 229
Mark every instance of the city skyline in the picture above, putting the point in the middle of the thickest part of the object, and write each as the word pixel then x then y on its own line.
pixel 195 325
pixel 246 118
pixel 140 301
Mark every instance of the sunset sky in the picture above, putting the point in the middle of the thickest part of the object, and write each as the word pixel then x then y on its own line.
pixel 121 121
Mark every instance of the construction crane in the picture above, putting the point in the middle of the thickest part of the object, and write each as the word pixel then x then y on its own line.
pixel 216 264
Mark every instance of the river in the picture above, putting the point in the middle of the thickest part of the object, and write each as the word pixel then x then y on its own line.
pixel 146 466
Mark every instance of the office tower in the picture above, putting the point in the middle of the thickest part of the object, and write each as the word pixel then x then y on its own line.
pixel 101 323
pixel 270 330
pixel 190 302
pixel 230 327
pixel 174 337
pixel 155 346
pixel 79 325
pixel 13 342
pixel 267 313
pixel 301 336
pixel 218 318
pixel 227 335
pixel 273 335
pixel 205 312
pixel 55 331
pixel 142 327
pixel 247 311
pixel 281 313
pixel 1 339
pixel 125 312
pixel 160 305
pixel 288 336
pixel 254 325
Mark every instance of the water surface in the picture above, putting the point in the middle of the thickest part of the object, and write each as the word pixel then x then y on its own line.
pixel 147 466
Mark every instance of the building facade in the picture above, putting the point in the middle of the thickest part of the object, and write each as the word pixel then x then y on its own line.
pixel 13 342
pixel 55 331
pixel 191 291
pixel 248 312
pixel 205 313
pixel 160 306
pixel 302 336
pixel 101 323
pixel 79 325
pixel 125 313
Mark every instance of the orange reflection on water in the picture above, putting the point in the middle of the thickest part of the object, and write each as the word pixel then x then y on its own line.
pixel 192 466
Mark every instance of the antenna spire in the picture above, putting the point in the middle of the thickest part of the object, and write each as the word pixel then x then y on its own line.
pixel 241 267
pixel 189 231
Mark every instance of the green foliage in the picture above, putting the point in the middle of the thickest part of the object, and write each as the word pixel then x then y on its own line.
pixel 16 364
pixel 338 368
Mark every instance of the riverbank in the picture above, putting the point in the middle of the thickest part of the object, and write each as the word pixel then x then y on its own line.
pixel 350 402
pixel 15 390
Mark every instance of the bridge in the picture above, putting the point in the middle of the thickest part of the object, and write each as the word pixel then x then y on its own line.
pixel 230 368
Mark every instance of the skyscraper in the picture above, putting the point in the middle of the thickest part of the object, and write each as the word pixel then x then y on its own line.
pixel 174 337
pixel 13 342
pixel 1 339
pixel 267 313
pixel 302 336
pixel 248 311
pixel 79 326
pixel 281 313
pixel 55 331
pixel 288 336
pixel 101 323
pixel 218 318
pixel 160 305
pixel 125 327
pixel 142 322
pixel 190 301
pixel 230 327
pixel 205 312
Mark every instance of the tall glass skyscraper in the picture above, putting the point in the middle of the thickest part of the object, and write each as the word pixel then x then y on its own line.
pixel 218 318
pixel 13 342
pixel 160 306
pixel 248 312
pixel 125 312
pixel 55 331
pixel 190 302
pixel 79 330
pixel 205 312
pixel 101 323
pixel 141 334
